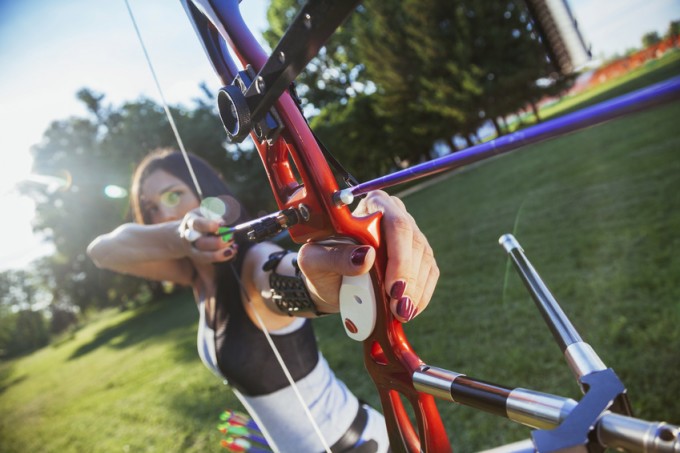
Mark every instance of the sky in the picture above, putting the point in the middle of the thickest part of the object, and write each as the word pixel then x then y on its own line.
pixel 51 49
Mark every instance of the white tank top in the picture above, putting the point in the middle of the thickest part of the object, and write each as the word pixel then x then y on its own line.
pixel 280 415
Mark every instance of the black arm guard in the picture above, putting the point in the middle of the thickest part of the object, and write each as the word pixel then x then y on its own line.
pixel 290 294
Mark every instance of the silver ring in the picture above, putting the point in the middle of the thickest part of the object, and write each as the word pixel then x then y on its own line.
pixel 191 235
pixel 188 234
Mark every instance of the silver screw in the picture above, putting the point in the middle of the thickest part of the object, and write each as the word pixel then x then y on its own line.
pixel 260 85
pixel 304 212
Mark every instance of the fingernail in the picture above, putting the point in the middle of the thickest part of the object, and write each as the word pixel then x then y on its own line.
pixel 228 253
pixel 398 289
pixel 359 255
pixel 405 308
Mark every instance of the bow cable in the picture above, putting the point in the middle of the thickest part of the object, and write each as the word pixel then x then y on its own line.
pixel 279 359
pixel 263 327
pixel 168 113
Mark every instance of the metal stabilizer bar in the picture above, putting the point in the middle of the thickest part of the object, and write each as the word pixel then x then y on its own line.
pixel 546 413
pixel 580 356
pixel 602 418
pixel 653 95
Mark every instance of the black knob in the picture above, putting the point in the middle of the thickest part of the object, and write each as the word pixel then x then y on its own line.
pixel 234 112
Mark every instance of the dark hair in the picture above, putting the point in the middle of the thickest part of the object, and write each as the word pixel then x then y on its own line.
pixel 173 162
pixel 212 185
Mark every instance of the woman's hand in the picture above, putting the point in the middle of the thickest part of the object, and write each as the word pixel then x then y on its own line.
pixel 411 273
pixel 206 240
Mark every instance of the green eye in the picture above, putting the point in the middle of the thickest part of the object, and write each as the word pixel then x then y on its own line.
pixel 170 199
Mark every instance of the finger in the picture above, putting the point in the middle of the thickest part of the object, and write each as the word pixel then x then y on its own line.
pixel 414 286
pixel 428 290
pixel 203 225
pixel 226 254
pixel 212 243
pixel 403 308
pixel 419 291
pixel 217 256
pixel 194 227
pixel 398 232
pixel 428 276
pixel 340 259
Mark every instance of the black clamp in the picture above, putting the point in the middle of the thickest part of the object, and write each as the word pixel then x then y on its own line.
pixel 236 103
pixel 605 391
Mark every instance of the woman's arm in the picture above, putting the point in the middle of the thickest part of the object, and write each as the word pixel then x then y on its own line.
pixel 158 252
pixel 154 252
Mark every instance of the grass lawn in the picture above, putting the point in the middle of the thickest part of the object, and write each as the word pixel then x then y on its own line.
pixel 597 212
pixel 127 382
pixel 653 71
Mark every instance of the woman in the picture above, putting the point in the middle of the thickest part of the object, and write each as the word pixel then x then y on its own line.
pixel 173 240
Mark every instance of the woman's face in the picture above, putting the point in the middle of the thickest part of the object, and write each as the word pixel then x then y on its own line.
pixel 165 197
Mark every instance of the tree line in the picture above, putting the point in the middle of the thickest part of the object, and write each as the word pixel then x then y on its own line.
pixel 399 80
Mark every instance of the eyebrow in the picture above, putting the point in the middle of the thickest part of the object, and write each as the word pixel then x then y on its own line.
pixel 170 187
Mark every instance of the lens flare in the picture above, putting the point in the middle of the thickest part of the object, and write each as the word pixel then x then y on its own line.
pixel 213 208
pixel 113 191
pixel 223 208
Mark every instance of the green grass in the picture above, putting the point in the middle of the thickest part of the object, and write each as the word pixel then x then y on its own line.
pixel 598 214
pixel 653 71
pixel 127 382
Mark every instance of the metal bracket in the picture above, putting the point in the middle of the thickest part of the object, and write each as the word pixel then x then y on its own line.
pixel 251 106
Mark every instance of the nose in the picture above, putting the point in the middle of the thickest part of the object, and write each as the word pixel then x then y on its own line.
pixel 167 214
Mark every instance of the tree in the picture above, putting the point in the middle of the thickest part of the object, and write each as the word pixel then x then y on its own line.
pixel 22 327
pixel 435 69
pixel 100 150
pixel 650 38
pixel 673 30
pixel 30 332
pixel 335 73
pixel 417 55
pixel 356 148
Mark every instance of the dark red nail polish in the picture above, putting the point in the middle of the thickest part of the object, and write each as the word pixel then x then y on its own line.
pixel 397 289
pixel 228 252
pixel 405 308
pixel 359 255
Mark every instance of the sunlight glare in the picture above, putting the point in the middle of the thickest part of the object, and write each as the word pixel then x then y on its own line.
pixel 113 191
pixel 18 244
pixel 14 170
